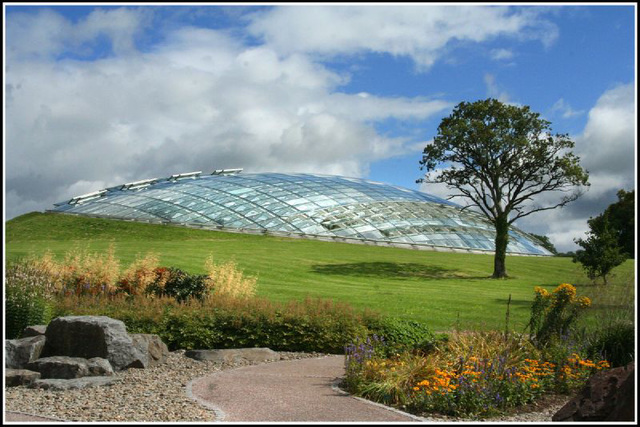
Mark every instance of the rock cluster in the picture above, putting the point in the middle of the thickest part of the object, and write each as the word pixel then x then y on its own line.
pixel 607 396
pixel 78 352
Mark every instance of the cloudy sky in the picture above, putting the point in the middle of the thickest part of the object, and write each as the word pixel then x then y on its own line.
pixel 99 95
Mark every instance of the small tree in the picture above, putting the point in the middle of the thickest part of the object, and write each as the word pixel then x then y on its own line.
pixel 500 157
pixel 546 243
pixel 601 252
pixel 620 217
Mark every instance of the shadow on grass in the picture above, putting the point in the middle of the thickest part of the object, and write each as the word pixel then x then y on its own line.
pixel 515 303
pixel 390 270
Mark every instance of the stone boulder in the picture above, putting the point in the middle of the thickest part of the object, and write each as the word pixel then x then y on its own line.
pixel 22 351
pixel 153 350
pixel 34 331
pixel 234 355
pixel 93 336
pixel 16 377
pixel 65 367
pixel 607 396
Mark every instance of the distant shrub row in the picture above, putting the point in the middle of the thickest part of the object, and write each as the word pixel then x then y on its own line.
pixel 192 311
pixel 311 325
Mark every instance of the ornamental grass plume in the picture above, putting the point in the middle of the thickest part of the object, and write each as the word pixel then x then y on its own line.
pixel 227 279
pixel 140 274
pixel 81 272
pixel 28 297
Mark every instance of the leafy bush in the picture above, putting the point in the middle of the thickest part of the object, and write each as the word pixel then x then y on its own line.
pixel 614 343
pixel 402 335
pixel 178 284
pixel 228 322
pixel 27 297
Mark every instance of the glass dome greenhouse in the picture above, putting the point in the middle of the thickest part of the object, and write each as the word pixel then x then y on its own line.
pixel 301 205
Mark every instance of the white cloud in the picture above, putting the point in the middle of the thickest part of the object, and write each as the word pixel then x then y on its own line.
pixel 562 107
pixel 501 54
pixel 608 141
pixel 199 101
pixel 494 90
pixel 46 34
pixel 419 32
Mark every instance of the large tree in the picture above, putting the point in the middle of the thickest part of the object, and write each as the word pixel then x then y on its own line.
pixel 500 158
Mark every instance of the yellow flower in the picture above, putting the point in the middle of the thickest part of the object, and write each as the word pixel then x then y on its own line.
pixel 584 302
pixel 541 291
pixel 566 288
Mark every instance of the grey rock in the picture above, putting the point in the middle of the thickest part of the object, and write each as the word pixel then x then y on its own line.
pixel 99 367
pixel 34 331
pixel 17 377
pixel 60 367
pixel 151 347
pixel 93 336
pixel 20 352
pixel 234 355
pixel 77 383
pixel 65 367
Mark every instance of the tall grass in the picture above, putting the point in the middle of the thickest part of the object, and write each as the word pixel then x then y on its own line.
pixel 28 298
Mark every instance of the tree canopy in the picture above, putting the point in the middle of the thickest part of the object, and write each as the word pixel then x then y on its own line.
pixel 620 217
pixel 501 158
pixel 600 251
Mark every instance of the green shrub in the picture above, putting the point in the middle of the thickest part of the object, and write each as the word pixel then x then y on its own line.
pixel 614 343
pixel 28 298
pixel 178 284
pixel 228 322
pixel 402 335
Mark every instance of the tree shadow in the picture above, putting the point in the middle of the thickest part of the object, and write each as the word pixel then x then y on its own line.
pixel 391 270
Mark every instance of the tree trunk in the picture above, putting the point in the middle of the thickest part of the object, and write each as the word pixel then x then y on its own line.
pixel 502 238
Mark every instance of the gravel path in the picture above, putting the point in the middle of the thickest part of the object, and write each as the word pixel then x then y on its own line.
pixel 159 395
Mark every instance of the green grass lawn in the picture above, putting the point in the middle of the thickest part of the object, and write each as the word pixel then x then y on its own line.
pixel 445 290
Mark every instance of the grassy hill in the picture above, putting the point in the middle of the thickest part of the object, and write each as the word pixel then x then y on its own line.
pixel 444 290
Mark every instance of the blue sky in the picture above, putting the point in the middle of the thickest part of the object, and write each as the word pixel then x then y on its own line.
pixel 97 95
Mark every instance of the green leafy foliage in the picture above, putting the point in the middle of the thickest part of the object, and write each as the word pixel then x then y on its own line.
pixel 546 243
pixel 499 157
pixel 615 343
pixel 600 251
pixel 178 284
pixel 619 217
pixel 402 335
pixel 225 322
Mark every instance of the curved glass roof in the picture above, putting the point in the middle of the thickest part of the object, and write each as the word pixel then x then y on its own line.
pixel 321 206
